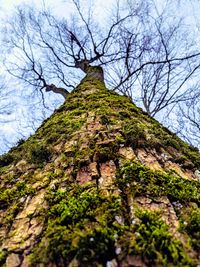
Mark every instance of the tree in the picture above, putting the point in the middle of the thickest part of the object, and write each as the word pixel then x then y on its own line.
pixel 146 53
pixel 5 106
pixel 163 65
pixel 189 121
pixel 100 184
pixel 6 109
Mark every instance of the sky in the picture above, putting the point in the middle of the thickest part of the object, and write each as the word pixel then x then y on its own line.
pixel 59 7
pixel 190 9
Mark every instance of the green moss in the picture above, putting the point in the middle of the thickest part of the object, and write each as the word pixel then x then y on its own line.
pixel 4 169
pixel 168 140
pixel 171 141
pixel 3 256
pixel 124 114
pixel 52 138
pixel 105 120
pixel 155 243
pixel 191 225
pixel 81 224
pixel 9 195
pixel 89 83
pixel 72 210
pixel 62 124
pixel 193 156
pixel 94 69
pixel 97 246
pixel 144 181
pixel 11 213
pixel 6 160
pixel 108 152
pixel 38 154
pixel 134 133
pixel 77 112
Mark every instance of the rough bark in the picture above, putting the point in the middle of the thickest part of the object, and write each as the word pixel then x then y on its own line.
pixel 95 72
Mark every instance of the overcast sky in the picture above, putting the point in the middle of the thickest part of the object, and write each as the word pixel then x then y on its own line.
pixel 59 7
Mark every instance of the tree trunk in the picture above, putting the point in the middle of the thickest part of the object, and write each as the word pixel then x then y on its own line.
pixel 94 72
pixel 100 184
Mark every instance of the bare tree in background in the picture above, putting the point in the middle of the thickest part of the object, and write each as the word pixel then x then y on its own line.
pixel 6 109
pixel 160 60
pixel 6 105
pixel 146 54
pixel 189 120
